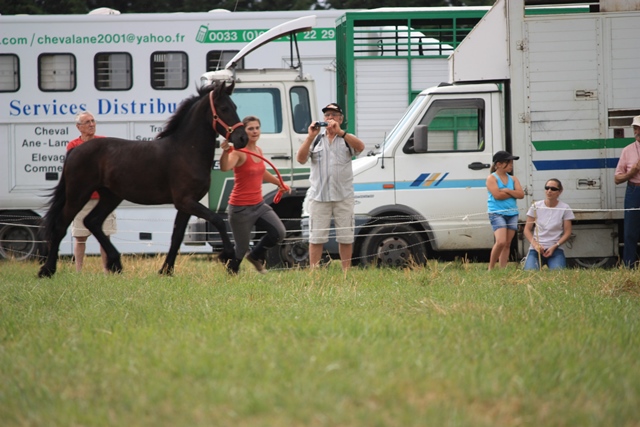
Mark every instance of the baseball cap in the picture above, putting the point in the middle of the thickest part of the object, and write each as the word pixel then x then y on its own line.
pixel 333 106
pixel 503 156
pixel 636 121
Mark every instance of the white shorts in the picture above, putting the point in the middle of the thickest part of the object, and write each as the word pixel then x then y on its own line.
pixel 79 230
pixel 320 214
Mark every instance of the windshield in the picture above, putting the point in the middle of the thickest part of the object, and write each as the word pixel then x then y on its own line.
pixel 264 103
pixel 406 117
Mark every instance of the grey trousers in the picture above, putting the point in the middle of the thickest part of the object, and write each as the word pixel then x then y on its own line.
pixel 243 218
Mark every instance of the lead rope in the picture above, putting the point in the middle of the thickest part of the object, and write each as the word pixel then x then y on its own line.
pixel 278 196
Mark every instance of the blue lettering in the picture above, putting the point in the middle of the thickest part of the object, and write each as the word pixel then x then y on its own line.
pixel 52 109
pixel 161 107
pixel 106 104
pixel 14 105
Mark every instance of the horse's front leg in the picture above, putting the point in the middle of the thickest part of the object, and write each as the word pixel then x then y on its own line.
pixel 179 227
pixel 196 209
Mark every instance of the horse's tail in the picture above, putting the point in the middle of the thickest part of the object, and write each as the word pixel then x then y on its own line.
pixel 56 204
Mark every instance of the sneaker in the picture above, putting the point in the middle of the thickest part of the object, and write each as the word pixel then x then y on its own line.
pixel 257 263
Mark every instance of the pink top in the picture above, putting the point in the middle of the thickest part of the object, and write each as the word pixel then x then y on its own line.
pixel 247 188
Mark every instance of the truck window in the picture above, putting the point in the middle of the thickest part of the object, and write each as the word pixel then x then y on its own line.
pixel 217 59
pixel 301 111
pixel 56 72
pixel 9 73
pixel 113 71
pixel 453 125
pixel 264 103
pixel 169 70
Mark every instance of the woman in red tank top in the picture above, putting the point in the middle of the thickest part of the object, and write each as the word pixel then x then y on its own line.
pixel 246 204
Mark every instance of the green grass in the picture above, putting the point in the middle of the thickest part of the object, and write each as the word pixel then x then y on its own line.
pixel 449 344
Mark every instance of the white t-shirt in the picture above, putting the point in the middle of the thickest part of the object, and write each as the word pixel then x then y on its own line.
pixel 549 222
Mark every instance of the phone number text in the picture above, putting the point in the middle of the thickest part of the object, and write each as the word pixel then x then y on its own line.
pixel 244 36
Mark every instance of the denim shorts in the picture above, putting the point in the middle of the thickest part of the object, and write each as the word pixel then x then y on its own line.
pixel 499 221
pixel 557 261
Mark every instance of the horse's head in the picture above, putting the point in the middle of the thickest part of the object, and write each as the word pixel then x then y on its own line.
pixel 225 117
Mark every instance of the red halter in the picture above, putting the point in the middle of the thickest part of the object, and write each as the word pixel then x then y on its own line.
pixel 218 120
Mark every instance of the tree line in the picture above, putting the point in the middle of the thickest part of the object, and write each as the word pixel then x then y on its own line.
pixel 64 7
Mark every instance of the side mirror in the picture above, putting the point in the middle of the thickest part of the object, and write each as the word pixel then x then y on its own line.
pixel 420 138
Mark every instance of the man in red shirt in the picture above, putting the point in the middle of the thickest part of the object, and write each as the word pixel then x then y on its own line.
pixel 86 124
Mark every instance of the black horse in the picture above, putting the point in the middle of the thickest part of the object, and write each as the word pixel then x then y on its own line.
pixel 174 168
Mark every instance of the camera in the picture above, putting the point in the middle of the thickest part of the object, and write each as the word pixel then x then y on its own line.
pixel 321 124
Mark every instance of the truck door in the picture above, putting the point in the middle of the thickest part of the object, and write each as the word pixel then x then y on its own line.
pixel 442 169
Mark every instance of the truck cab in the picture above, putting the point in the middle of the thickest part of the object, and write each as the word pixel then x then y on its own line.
pixel 428 177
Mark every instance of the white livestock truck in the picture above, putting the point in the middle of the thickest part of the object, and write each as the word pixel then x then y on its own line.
pixel 557 89
pixel 131 71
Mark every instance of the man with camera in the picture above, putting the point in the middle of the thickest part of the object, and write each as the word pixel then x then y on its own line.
pixel 331 192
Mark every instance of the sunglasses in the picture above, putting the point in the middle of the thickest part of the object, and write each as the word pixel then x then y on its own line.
pixel 551 188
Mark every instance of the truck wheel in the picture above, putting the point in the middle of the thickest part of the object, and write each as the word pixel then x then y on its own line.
pixel 393 246
pixel 18 241
pixel 598 262
pixel 293 252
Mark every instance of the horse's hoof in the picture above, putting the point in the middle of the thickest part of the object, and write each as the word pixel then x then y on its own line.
pixel 46 272
pixel 166 271
pixel 114 267
pixel 233 266
pixel 225 256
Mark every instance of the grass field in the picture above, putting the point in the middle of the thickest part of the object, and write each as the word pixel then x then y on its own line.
pixel 449 344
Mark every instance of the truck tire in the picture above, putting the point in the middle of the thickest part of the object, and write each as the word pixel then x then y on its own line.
pixel 18 241
pixel 292 252
pixel 598 262
pixel 393 246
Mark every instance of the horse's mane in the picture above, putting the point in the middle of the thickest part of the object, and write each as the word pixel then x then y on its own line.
pixel 183 110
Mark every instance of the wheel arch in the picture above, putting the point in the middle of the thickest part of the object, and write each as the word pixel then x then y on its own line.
pixel 400 213
pixel 292 251
pixel 22 217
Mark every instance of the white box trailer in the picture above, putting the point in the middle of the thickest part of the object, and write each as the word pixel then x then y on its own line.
pixel 557 89
pixel 131 71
